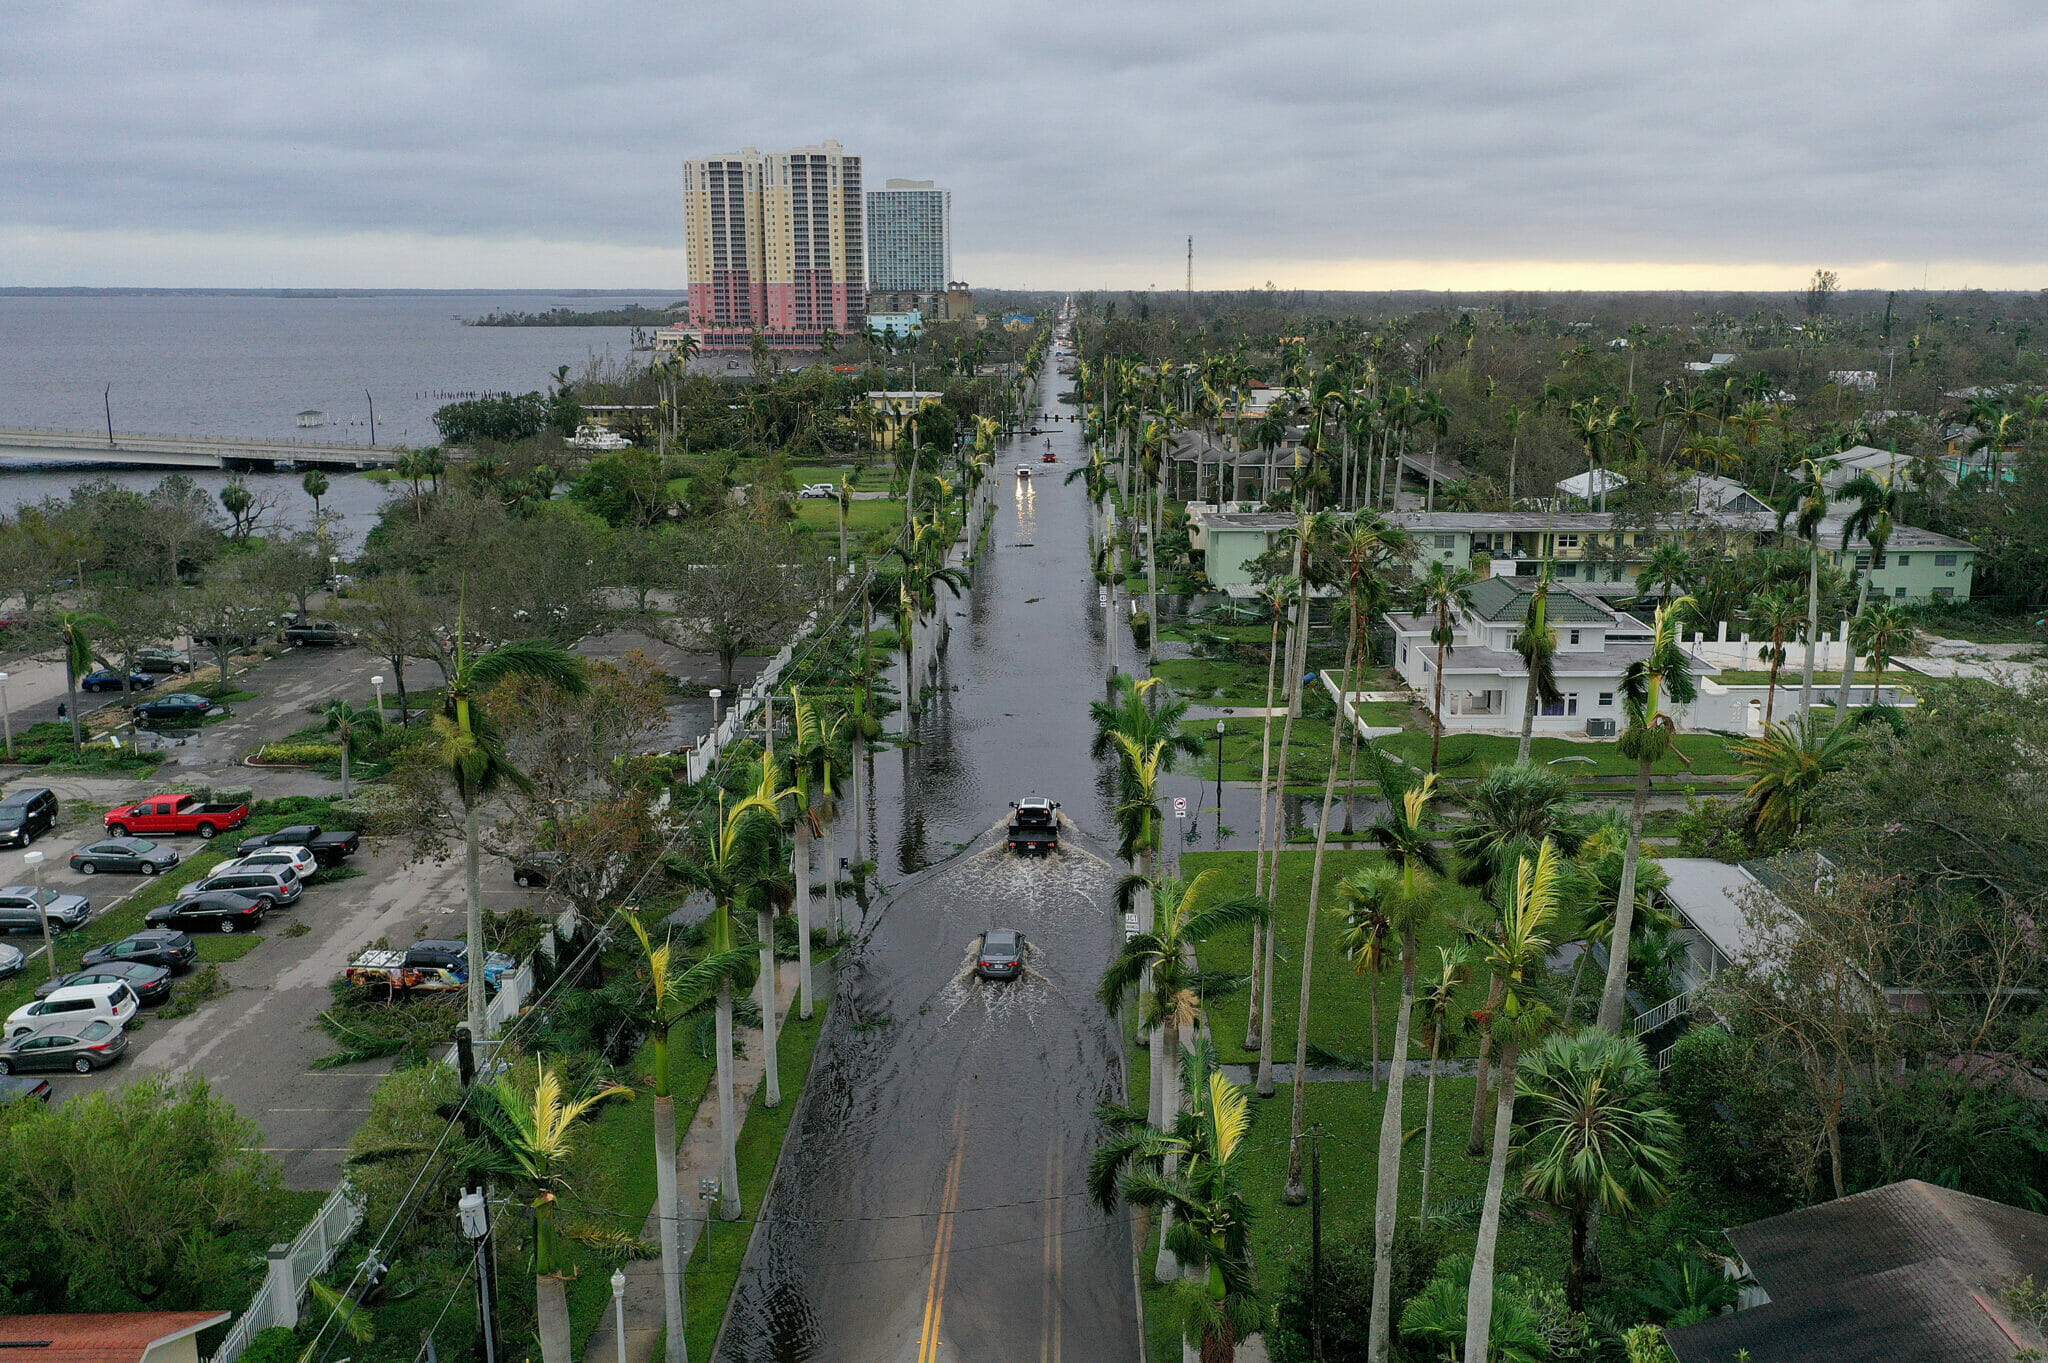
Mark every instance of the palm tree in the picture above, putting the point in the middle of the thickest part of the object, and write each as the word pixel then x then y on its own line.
pixel 1444 589
pixel 1596 1139
pixel 1879 503
pixel 1881 633
pixel 673 995
pixel 1667 567
pixel 528 1138
pixel 740 850
pixel 1409 903
pixel 1806 500
pixel 1774 616
pixel 73 631
pixel 350 724
pixel 1160 964
pixel 1536 642
pixel 1646 684
pixel 1362 895
pixel 470 752
pixel 1514 953
pixel 315 483
pixel 1785 766
pixel 1193 1172
pixel 1439 999
pixel 772 887
pixel 1275 594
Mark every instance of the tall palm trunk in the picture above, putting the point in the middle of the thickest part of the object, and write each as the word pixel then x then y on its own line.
pixel 1475 1143
pixel 728 1153
pixel 1428 1126
pixel 1252 1028
pixel 551 1299
pixel 771 1068
pixel 472 884
pixel 1436 725
pixel 1152 570
pixel 800 867
pixel 1849 652
pixel 1387 1198
pixel 1479 1298
pixel 1265 1077
pixel 666 1204
pixel 1613 995
pixel 1168 1266
pixel 1812 626
pixel 1296 1193
pixel 1528 719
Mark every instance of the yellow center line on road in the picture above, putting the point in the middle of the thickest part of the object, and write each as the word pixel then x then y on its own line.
pixel 942 1245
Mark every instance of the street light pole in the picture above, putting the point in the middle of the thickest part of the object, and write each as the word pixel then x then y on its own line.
pixel 619 1309
pixel 378 682
pixel 1219 772
pixel 34 861
pixel 6 719
pixel 476 1224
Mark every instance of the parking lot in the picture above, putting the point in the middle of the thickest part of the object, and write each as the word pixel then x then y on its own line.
pixel 256 1044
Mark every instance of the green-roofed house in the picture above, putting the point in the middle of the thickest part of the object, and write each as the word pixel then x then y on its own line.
pixel 1485 680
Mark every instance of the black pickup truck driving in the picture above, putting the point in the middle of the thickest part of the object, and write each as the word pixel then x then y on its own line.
pixel 1034 827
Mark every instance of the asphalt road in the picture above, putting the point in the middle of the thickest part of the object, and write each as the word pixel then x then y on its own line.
pixel 931 1204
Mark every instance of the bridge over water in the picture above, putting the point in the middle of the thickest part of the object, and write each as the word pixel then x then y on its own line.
pixel 20 446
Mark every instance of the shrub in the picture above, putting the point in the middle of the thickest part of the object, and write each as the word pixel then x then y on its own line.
pixel 1141 629
pixel 299 754
pixel 1347 1293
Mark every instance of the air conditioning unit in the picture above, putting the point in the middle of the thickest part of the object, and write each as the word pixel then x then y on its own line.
pixel 1599 728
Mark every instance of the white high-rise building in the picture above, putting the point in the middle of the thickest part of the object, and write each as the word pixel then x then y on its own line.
pixel 910 238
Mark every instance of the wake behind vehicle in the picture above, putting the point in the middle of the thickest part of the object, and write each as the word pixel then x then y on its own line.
pixel 1034 825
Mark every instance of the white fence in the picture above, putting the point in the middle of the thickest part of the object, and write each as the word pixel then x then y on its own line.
pixel 291 1268
pixel 705 754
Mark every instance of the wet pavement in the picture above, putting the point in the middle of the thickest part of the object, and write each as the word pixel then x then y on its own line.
pixel 931 1204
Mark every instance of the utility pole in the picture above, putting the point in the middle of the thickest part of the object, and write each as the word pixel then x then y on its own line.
pixel 373 415
pixel 1191 273
pixel 108 398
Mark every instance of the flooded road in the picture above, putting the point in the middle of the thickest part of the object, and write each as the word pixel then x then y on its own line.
pixel 932 1202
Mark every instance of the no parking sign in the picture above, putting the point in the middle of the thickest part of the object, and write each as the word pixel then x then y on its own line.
pixel 1180 807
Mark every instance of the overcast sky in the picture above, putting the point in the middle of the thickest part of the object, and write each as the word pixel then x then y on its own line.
pixel 1531 144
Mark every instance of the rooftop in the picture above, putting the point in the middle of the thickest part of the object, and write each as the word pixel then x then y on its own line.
pixel 1502 598
pixel 1250 520
pixel 1710 894
pixel 1906 1273
pixel 100 1337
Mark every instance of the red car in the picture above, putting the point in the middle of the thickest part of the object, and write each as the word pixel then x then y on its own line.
pixel 175 814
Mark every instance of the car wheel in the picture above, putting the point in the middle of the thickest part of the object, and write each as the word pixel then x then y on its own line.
pixel 6 1067
pixel 149 868
pixel 82 1065
pixel 227 925
pixel 522 881
pixel 119 830
pixel 207 830
pixel 86 868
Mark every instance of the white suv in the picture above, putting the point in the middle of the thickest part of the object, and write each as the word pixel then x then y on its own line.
pixel 300 859
pixel 75 1005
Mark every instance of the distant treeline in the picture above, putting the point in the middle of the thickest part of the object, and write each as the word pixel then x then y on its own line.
pixel 632 315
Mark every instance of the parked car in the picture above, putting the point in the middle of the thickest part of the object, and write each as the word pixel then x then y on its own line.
pixel 278 884
pixel 454 955
pixel 84 1049
pixel 299 859
pixel 11 961
pixel 817 491
pixel 15 1089
pixel 175 814
pixel 1001 956
pixel 132 855
pixel 328 848
pixel 304 630
pixel 166 947
pixel 535 868
pixel 163 662
pixel 176 705
pixel 26 815
pixel 107 679
pixel 112 1002
pixel 220 910
pixel 151 983
pixel 19 912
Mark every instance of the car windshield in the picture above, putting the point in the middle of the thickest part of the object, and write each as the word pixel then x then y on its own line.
pixel 1000 943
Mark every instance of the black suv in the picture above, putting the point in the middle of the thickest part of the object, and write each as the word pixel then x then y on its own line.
pixel 166 947
pixel 27 814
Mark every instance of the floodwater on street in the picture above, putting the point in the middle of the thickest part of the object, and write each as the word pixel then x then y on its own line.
pixel 932 1203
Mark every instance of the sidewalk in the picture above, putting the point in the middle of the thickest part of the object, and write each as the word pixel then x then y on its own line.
pixel 696 1157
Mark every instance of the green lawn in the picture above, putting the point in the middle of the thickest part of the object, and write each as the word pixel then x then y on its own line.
pixel 1474 754
pixel 861 517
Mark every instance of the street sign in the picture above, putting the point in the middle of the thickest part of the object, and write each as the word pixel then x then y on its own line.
pixel 1180 807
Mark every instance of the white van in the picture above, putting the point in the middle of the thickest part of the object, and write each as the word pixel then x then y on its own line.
pixel 113 1002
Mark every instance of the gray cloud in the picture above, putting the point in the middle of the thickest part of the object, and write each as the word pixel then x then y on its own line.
pixel 1074 135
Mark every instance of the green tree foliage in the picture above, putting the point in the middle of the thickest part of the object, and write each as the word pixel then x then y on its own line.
pixel 149 1198
pixel 1345 1292
pixel 506 418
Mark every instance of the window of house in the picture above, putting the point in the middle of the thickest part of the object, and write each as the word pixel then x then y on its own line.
pixel 1862 562
pixel 1944 593
pixel 1404 655
pixel 1445 541
pixel 1553 707
pixel 1607 698
pixel 1944 560
pixel 1571 702
pixel 1567 541
pixel 1575 636
pixel 1901 591
pixel 1904 559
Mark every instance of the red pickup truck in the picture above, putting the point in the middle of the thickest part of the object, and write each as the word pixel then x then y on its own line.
pixel 175 814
